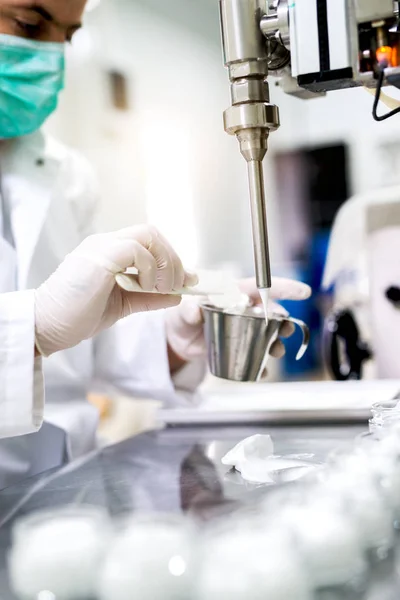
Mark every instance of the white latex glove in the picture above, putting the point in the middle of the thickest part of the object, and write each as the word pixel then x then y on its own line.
pixel 81 298
pixel 184 323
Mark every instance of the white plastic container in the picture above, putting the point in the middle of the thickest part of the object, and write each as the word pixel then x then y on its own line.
pixel 243 561
pixel 150 559
pixel 58 553
pixel 328 542
pixel 366 505
pixel 382 457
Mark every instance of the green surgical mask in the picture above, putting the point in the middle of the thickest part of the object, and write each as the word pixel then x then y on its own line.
pixel 31 77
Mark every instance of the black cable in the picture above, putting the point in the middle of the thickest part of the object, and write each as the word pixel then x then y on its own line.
pixel 377 99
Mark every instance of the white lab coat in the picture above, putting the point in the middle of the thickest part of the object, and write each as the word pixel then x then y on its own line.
pixel 54 198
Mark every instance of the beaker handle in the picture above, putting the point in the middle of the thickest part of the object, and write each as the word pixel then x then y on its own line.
pixel 306 335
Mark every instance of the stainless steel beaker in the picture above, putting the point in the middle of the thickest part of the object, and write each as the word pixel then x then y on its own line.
pixel 238 343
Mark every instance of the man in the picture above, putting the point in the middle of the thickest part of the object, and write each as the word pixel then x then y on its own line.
pixel 48 201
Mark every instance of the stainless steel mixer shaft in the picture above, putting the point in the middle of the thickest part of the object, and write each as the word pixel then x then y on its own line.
pixel 259 223
pixel 251 116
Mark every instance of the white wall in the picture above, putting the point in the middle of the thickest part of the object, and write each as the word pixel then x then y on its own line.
pixel 168 158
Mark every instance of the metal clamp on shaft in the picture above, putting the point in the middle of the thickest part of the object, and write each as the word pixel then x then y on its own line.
pixel 251 116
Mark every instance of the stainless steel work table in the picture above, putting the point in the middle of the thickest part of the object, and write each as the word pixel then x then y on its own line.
pixel 171 470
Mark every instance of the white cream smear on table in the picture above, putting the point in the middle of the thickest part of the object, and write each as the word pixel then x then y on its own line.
pixel 255 460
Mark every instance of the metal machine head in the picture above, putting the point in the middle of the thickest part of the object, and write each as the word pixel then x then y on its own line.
pixel 333 44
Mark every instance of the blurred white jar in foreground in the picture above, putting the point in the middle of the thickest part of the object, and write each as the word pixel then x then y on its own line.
pixel 382 457
pixel 151 559
pixel 241 562
pixel 59 553
pixel 367 507
pixel 328 542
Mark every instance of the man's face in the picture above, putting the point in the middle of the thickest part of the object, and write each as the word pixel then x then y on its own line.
pixel 41 20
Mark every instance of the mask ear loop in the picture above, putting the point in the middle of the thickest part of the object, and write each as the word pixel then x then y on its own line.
pixel 6 226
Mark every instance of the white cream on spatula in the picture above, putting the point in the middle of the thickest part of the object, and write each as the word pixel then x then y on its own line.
pixel 130 283
pixel 229 297
pixel 221 289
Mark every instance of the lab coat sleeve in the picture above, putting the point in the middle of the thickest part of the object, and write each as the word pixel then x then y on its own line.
pixel 21 380
pixel 132 358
